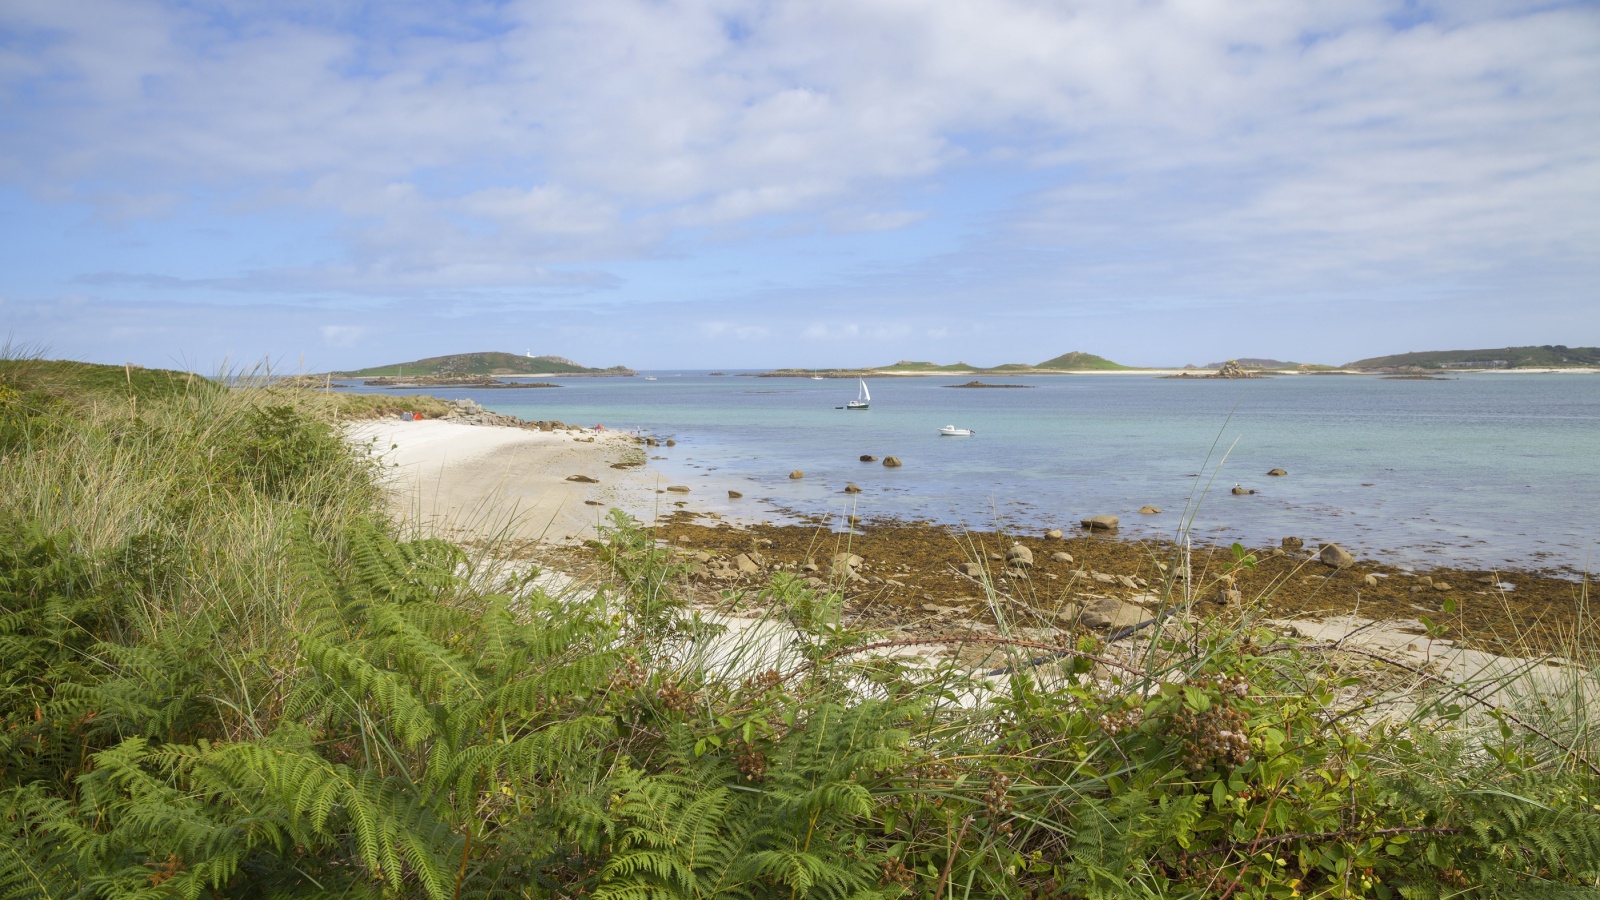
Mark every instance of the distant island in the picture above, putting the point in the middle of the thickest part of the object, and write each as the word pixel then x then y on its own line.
pixel 471 365
pixel 1066 362
pixel 1547 356
pixel 1252 362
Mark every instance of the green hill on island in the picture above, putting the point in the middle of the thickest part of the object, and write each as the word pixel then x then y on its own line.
pixel 1253 362
pixel 908 365
pixel 1079 360
pixel 486 363
pixel 1075 361
pixel 1547 355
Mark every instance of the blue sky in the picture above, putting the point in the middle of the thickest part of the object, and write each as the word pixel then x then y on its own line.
pixel 734 183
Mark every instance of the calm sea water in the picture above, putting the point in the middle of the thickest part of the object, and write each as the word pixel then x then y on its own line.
pixel 1479 470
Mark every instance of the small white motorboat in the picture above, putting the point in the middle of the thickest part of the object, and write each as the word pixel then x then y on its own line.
pixel 952 431
pixel 863 399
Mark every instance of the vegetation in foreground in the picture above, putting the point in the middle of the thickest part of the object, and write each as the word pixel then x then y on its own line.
pixel 225 673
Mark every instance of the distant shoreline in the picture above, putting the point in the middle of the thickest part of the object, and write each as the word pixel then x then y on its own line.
pixel 1193 373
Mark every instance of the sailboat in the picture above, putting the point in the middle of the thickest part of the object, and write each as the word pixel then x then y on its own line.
pixel 862 399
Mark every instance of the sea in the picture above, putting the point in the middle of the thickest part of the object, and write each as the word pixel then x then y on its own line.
pixel 1474 470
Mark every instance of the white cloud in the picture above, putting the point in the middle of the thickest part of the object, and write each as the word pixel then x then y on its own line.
pixel 852 331
pixel 1178 149
pixel 342 335
pixel 715 330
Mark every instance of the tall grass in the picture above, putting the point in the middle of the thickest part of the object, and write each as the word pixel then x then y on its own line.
pixel 225 672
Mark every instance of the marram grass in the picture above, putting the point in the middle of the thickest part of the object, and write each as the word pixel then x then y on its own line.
pixel 223 673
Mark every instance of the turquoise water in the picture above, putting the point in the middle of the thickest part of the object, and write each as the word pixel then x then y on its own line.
pixel 1479 470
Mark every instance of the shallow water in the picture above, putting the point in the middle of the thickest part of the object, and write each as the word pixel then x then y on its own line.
pixel 1478 470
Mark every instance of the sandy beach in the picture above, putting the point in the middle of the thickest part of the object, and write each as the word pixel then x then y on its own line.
pixel 457 480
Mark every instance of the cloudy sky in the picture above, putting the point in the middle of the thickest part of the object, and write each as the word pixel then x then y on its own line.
pixel 737 183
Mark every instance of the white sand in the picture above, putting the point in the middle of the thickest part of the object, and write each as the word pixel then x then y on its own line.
pixel 1506 681
pixel 454 479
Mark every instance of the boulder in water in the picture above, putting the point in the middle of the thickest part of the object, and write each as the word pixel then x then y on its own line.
pixel 1101 523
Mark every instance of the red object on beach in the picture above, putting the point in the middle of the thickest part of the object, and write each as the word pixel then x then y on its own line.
pixel 416 417
pixel 599 428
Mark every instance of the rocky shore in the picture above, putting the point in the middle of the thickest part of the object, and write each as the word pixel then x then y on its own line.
pixel 908 573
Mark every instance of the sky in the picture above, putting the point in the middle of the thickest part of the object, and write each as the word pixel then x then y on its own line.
pixel 746 184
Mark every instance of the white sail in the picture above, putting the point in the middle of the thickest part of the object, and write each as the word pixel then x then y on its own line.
pixel 864 395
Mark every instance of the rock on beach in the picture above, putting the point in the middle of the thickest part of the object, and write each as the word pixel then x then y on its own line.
pixel 1335 556
pixel 1101 523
